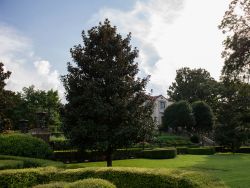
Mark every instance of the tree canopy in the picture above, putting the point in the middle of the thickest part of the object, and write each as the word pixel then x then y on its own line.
pixel 107 104
pixel 179 114
pixel 193 85
pixel 236 24
pixel 204 117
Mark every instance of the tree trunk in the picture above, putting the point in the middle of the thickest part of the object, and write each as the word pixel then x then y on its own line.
pixel 109 157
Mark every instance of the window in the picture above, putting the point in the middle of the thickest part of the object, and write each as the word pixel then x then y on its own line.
pixel 162 105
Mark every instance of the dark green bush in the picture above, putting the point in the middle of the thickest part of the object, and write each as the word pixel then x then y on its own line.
pixel 121 177
pixel 244 150
pixel 158 153
pixel 30 162
pixel 201 151
pixel 182 150
pixel 195 139
pixel 86 183
pixel 77 156
pixel 10 164
pixel 60 145
pixel 24 145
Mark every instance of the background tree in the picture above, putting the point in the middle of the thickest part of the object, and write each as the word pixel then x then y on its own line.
pixel 5 102
pixel 204 117
pixel 107 105
pixel 236 24
pixel 35 100
pixel 234 116
pixel 178 114
pixel 193 85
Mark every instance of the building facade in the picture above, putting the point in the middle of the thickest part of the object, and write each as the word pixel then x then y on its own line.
pixel 160 104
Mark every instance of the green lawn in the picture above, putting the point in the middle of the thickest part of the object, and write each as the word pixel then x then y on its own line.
pixel 233 169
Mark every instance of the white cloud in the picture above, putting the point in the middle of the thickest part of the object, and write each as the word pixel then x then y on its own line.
pixel 171 34
pixel 27 69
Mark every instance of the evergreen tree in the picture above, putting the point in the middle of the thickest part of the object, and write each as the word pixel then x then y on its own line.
pixel 107 105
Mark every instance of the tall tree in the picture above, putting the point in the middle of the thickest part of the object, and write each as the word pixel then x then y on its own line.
pixel 107 104
pixel 179 114
pixel 204 117
pixel 234 116
pixel 193 85
pixel 236 24
pixel 5 102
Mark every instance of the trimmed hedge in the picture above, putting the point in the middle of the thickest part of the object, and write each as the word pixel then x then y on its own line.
pixel 26 162
pixel 244 149
pixel 10 164
pixel 158 154
pixel 24 145
pixel 77 156
pixel 182 150
pixel 122 177
pixel 86 183
pixel 201 151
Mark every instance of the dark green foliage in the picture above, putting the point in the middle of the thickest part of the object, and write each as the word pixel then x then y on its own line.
pixel 10 164
pixel 80 156
pixel 86 183
pixel 61 145
pixel 171 140
pixel 204 117
pixel 107 104
pixel 195 139
pixel 234 116
pixel 179 114
pixel 182 150
pixel 27 162
pixel 159 154
pixel 121 177
pixel 24 145
pixel 201 151
pixel 236 24
pixel 193 85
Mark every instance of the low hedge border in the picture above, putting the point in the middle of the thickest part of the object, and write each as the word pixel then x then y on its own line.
pixel 201 151
pixel 77 156
pixel 122 177
pixel 31 162
pixel 221 149
pixel 86 183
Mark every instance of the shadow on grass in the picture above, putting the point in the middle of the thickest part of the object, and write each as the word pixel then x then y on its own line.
pixel 233 169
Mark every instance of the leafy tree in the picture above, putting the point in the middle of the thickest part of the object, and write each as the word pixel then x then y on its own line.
pixel 35 100
pixel 193 85
pixel 236 24
pixel 204 117
pixel 107 104
pixel 178 114
pixel 234 116
pixel 5 102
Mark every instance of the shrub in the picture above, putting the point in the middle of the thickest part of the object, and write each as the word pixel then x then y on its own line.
pixel 77 156
pixel 10 164
pixel 24 145
pixel 195 139
pixel 201 151
pixel 30 162
pixel 121 177
pixel 182 150
pixel 86 183
pixel 244 150
pixel 171 140
pixel 158 154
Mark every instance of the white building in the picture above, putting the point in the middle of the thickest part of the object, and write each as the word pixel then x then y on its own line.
pixel 160 104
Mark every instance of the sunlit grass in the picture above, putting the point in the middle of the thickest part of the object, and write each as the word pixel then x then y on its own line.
pixel 233 169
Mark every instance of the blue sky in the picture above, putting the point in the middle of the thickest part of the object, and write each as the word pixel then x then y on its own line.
pixel 36 36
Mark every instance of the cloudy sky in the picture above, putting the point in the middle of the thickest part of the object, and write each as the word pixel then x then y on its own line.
pixel 35 37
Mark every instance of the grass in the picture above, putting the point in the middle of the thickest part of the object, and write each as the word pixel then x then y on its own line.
pixel 233 169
